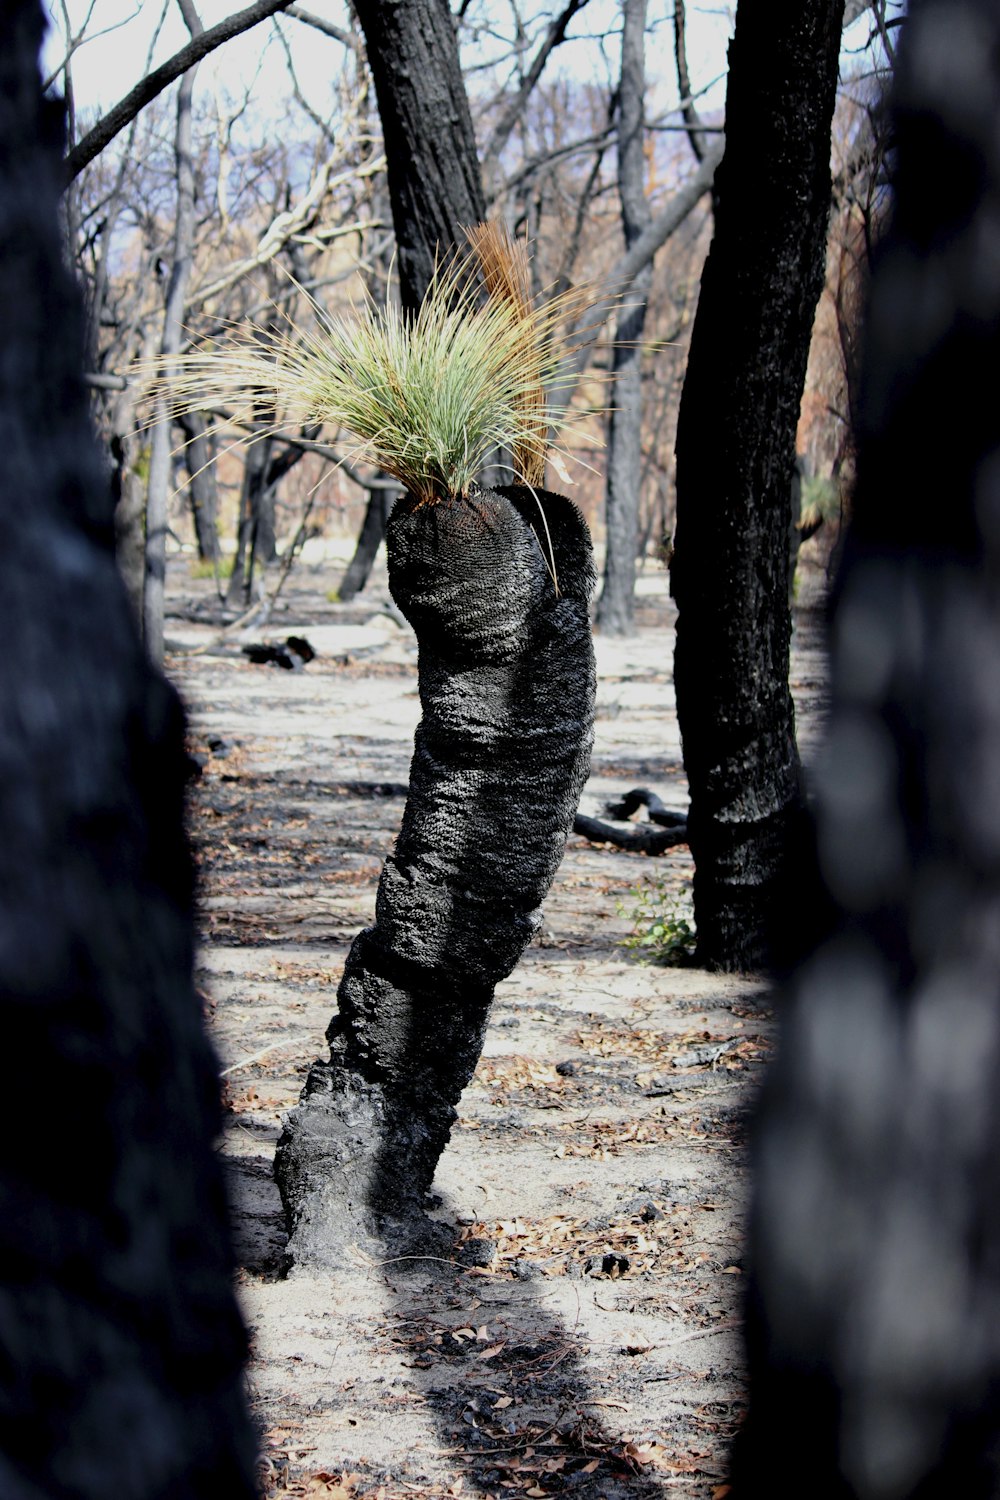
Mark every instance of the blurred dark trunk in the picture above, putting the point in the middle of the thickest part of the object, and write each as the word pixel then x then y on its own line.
pixel 735 454
pixel 874 1306
pixel 120 1342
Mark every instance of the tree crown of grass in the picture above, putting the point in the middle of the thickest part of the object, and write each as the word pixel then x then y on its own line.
pixel 427 396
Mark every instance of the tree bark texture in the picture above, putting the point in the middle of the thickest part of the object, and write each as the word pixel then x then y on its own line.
pixel 874 1328
pixel 735 453
pixel 616 607
pixel 120 1343
pixel 433 166
pixel 502 751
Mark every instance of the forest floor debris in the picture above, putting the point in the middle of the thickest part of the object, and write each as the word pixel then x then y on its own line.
pixel 584 1340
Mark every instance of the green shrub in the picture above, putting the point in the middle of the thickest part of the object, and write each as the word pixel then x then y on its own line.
pixel 662 920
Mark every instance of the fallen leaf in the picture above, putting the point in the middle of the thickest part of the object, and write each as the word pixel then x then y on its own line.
pixel 491 1353
pixel 502 1403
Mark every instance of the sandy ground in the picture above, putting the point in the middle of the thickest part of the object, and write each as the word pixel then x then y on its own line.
pixel 585 1340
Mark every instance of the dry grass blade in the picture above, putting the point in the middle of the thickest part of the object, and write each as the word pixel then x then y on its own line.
pixel 503 263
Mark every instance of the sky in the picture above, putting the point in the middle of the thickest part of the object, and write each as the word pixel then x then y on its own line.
pixel 107 65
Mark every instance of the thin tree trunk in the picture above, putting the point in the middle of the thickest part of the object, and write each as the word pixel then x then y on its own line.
pixel 173 319
pixel 370 538
pixel 202 486
pixel 128 495
pixel 874 1328
pixel 252 506
pixel 735 453
pixel 616 608
pixel 120 1342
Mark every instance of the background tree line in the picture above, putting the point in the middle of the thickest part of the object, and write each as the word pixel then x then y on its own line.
pixel 204 211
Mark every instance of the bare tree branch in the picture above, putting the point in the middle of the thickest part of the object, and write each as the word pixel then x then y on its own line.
pixel 327 27
pixel 154 83
pixel 627 267
pixel 553 37
pixel 692 119
pixel 294 221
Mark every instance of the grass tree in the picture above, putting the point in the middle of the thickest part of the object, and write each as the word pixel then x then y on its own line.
pixel 496 584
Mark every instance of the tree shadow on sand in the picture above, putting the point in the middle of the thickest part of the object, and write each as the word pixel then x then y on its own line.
pixel 496 1365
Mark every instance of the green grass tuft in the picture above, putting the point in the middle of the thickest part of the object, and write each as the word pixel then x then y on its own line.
pixel 427 398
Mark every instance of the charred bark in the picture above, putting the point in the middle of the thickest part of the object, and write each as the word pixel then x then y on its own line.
pixel 874 1327
pixel 735 453
pixel 633 840
pixel 501 754
pixel 120 1343
pixel 433 167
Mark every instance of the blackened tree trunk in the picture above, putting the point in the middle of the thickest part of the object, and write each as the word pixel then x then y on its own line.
pixel 501 755
pixel 502 751
pixel 616 608
pixel 255 524
pixel 874 1329
pixel 735 455
pixel 120 1343
pixel 202 486
pixel 430 146
pixel 435 187
pixel 370 538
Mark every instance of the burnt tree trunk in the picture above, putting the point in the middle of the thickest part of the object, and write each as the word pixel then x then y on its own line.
pixel 255 539
pixel 202 486
pixel 501 755
pixel 874 1329
pixel 433 167
pixel 616 607
pixel 120 1343
pixel 435 188
pixel 735 454
pixel 370 538
pixel 507 693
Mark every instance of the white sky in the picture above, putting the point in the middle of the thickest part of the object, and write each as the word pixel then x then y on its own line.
pixel 106 67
